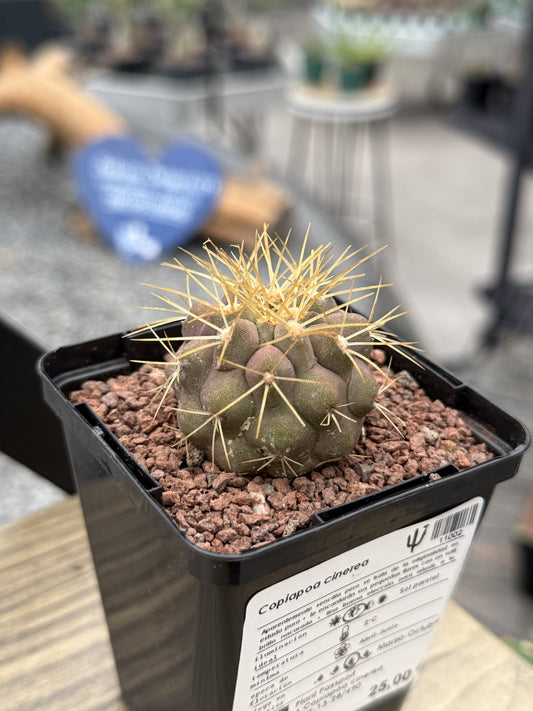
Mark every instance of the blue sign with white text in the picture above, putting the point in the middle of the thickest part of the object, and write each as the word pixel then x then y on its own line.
pixel 145 207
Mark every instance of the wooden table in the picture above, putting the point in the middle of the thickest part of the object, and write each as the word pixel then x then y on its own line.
pixel 55 652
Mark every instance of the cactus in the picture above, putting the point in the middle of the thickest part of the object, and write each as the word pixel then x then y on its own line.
pixel 272 375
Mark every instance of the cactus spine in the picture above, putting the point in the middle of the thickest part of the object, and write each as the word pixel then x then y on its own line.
pixel 271 374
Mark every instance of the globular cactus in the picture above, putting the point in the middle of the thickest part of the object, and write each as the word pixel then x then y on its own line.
pixel 273 376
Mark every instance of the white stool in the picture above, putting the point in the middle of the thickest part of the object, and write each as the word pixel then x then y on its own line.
pixel 346 121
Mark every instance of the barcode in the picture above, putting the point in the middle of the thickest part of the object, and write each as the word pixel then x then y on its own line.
pixel 459 519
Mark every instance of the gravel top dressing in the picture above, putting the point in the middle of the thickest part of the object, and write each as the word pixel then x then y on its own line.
pixel 410 434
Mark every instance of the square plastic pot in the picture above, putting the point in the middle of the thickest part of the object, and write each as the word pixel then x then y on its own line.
pixel 181 619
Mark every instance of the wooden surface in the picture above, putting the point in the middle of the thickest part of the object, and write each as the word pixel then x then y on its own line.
pixel 42 87
pixel 55 652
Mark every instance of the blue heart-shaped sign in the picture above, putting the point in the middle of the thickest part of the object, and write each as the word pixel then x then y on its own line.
pixel 144 207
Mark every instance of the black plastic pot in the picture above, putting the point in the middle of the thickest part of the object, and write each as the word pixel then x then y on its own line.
pixel 525 566
pixel 179 616
pixel 490 94
pixel 353 77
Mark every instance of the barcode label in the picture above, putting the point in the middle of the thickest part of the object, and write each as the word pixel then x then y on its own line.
pixel 453 522
pixel 354 628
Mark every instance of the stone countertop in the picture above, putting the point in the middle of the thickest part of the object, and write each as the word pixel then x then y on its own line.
pixel 60 287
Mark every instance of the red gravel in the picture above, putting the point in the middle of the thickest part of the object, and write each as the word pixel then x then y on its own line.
pixel 227 513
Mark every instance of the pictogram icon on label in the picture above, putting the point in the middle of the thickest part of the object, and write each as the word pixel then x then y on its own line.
pixel 354 629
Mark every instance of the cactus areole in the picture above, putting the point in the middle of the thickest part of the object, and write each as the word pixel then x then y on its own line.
pixel 271 374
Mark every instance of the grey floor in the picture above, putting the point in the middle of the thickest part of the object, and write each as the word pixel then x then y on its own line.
pixel 447 192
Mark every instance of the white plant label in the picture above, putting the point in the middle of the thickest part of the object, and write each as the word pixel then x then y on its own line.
pixel 355 628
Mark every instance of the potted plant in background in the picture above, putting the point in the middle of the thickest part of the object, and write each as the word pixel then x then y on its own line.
pixel 373 53
pixel 358 61
pixel 265 480
pixel 314 60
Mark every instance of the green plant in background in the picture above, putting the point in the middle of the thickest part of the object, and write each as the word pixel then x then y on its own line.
pixel 177 11
pixel 372 50
pixel 173 11
pixel 314 57
pixel 272 374
pixel 78 9
pixel 244 7
pixel 71 8
pixel 357 59
pixel 314 47
pixel 349 50
pixel 345 51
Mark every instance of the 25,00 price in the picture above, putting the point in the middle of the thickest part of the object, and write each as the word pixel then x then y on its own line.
pixel 388 684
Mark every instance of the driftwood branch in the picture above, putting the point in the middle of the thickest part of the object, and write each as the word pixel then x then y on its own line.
pixel 42 87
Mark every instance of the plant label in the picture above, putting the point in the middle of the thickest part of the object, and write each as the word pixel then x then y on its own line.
pixel 145 207
pixel 354 629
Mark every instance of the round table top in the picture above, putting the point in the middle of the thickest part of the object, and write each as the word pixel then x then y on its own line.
pixel 327 103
